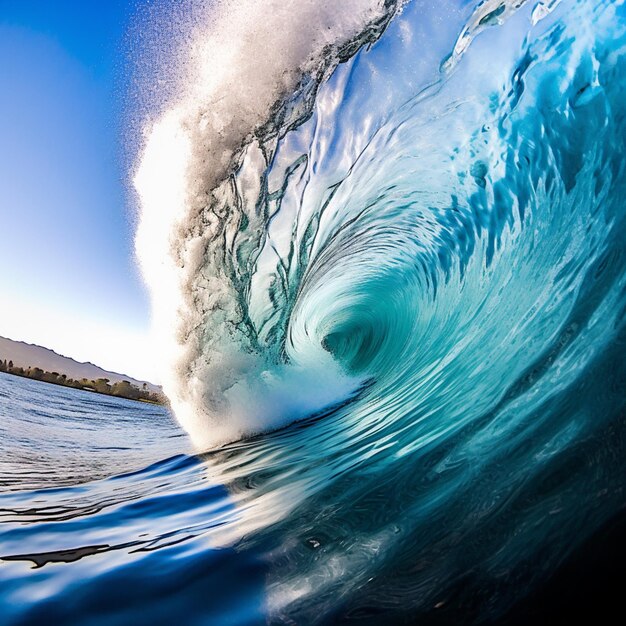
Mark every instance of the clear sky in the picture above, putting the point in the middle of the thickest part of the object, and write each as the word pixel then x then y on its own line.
pixel 68 278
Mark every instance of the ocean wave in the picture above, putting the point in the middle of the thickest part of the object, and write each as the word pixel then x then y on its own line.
pixel 314 222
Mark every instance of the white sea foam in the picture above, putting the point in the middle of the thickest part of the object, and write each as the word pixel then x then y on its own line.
pixel 241 60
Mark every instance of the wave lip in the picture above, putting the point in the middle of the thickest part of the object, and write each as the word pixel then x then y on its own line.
pixel 247 63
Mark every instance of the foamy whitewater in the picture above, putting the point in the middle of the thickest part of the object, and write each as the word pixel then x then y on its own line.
pixel 250 72
pixel 385 244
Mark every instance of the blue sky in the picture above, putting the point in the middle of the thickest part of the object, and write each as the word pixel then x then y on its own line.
pixel 69 279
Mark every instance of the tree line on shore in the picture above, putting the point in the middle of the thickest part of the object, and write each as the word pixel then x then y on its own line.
pixel 121 389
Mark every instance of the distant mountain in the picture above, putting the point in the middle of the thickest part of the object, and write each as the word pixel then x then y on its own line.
pixel 28 355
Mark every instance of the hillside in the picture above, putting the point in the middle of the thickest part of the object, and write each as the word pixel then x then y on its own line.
pixel 28 355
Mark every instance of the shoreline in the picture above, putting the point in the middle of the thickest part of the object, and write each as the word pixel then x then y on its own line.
pixel 91 389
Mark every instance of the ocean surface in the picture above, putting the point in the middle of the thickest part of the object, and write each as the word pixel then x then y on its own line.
pixel 107 517
pixel 386 249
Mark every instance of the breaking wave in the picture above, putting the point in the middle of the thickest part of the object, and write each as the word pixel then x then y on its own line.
pixel 364 204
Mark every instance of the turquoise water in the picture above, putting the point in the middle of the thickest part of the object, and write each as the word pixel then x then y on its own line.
pixel 404 314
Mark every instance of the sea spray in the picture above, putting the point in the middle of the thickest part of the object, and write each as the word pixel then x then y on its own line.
pixel 237 97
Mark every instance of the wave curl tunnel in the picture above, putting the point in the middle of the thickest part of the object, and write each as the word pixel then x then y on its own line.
pixel 423 243
pixel 378 240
